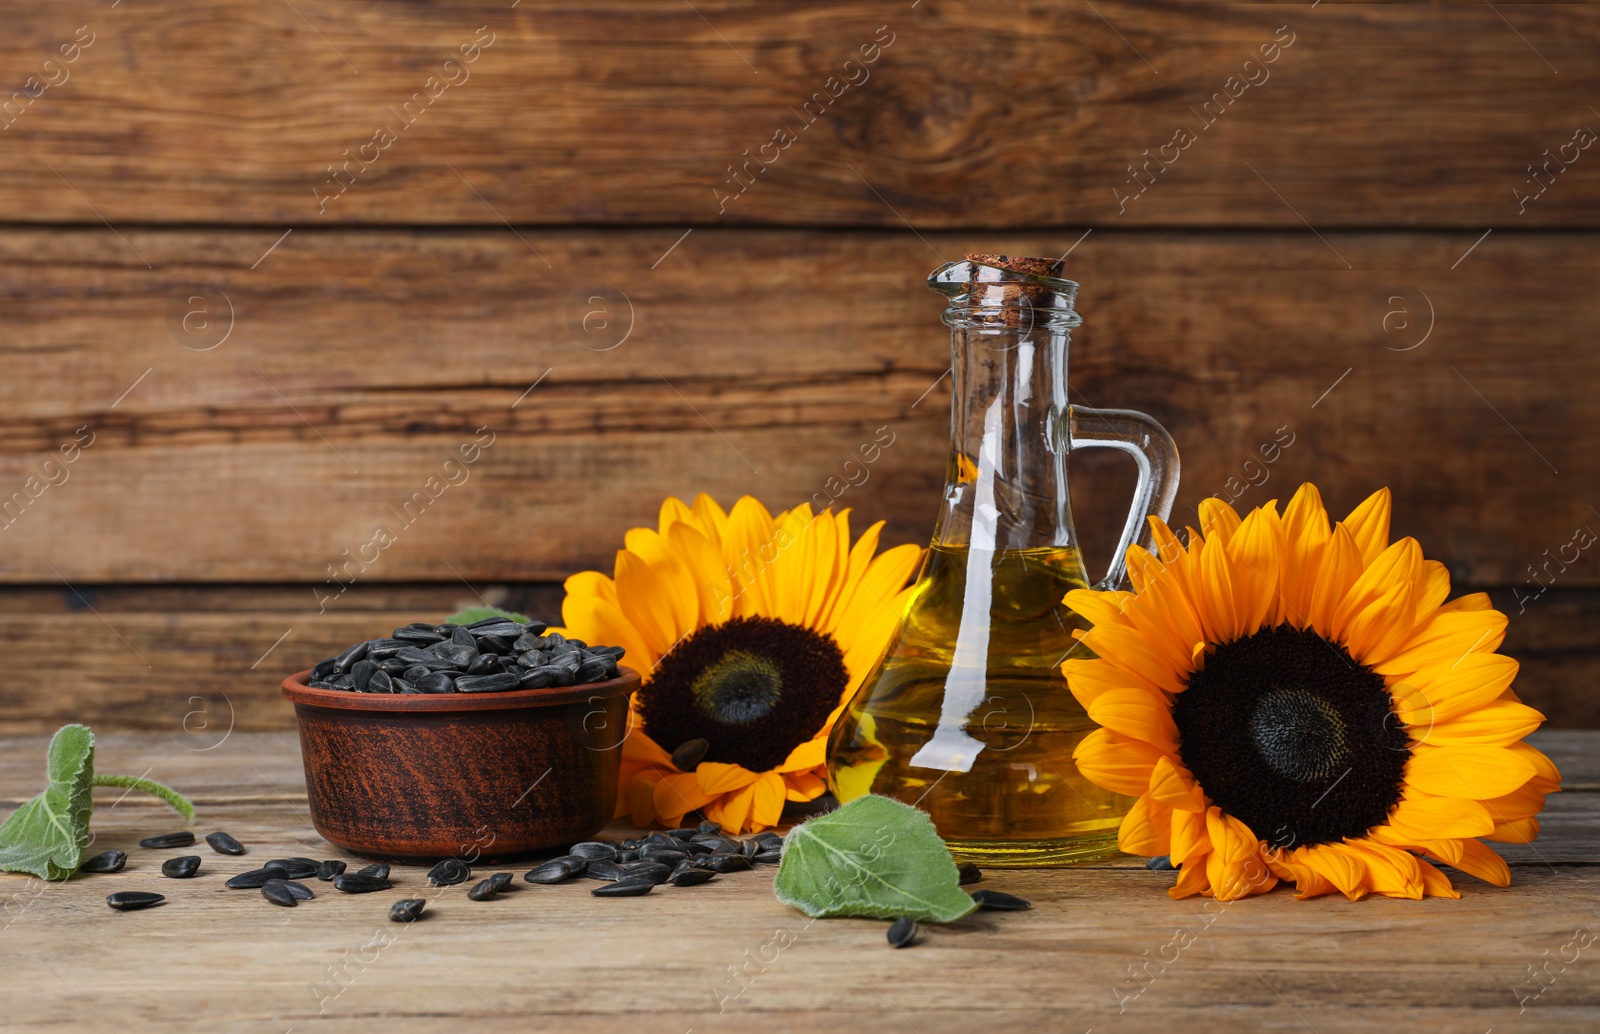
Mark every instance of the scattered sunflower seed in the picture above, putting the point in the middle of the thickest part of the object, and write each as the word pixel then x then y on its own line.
pixel 278 892
pixel 350 883
pixel 968 873
pixel 105 861
pixel 449 872
pixel 484 890
pixel 998 901
pixel 327 870
pixel 133 900
pixel 182 838
pixel 629 888
pixel 222 843
pixel 182 867
pixel 902 932
pixel 407 911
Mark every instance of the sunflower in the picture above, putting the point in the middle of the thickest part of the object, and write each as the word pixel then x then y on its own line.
pixel 752 632
pixel 1290 702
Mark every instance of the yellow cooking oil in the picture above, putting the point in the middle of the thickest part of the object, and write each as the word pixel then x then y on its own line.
pixel 968 716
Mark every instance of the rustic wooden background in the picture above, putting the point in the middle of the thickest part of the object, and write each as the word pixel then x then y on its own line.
pixel 253 359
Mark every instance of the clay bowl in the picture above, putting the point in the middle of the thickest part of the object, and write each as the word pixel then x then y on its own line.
pixel 477 776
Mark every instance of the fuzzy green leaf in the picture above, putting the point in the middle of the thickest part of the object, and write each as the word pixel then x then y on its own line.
pixel 873 857
pixel 471 614
pixel 47 835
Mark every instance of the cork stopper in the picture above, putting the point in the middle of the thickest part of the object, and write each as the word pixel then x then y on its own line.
pixel 1010 291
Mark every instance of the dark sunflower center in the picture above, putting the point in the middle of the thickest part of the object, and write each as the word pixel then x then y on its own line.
pixel 1286 732
pixel 738 689
pixel 752 688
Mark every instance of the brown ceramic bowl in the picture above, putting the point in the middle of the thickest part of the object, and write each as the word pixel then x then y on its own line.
pixel 474 776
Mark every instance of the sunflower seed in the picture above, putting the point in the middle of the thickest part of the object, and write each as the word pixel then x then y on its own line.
pixel 902 932
pixel 377 870
pixel 485 683
pixel 680 834
pixel 327 870
pixel 500 628
pixel 254 879
pixel 133 900
pixel 350 883
pixel 628 888
pixel 483 664
pixel 436 682
pixel 484 890
pixel 432 662
pixel 535 678
pixel 344 682
pixel 458 656
pixel 383 649
pixel 556 870
pixel 419 635
pixel 362 673
pixel 181 867
pixel 997 901
pixel 380 683
pixel 727 862
pixel 593 669
pixel 968 873
pixel 278 892
pixel 692 876
pixel 770 838
pixel 449 872
pixel 769 857
pixel 222 843
pixel 1160 863
pixel 402 686
pixel 500 881
pixel 662 856
pixel 710 827
pixel 603 870
pixel 182 838
pixel 656 872
pixel 525 642
pixel 106 861
pixel 624 857
pixel 462 637
pixel 294 868
pixel 344 661
pixel 693 848
pixel 594 850
pixel 394 666
pixel 322 669
pixel 689 754
pixel 749 848
pixel 300 891
pixel 407 911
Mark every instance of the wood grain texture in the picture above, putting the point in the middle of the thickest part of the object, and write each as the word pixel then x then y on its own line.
pixel 194 662
pixel 627 111
pixel 358 362
pixel 557 958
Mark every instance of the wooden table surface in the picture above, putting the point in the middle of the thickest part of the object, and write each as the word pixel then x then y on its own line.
pixel 556 958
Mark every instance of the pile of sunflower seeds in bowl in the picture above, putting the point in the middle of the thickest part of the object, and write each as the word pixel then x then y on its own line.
pixel 492 655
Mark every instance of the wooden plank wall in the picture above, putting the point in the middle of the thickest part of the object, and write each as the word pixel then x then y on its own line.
pixel 264 269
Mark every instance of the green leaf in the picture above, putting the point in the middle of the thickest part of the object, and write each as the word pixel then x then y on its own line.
pixel 47 835
pixel 873 857
pixel 471 614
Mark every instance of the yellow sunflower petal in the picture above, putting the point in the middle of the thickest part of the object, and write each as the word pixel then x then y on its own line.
pixel 1218 520
pixel 1471 772
pixel 1546 778
pixel 809 754
pixel 676 794
pixel 673 510
pixel 1087 678
pixel 1292 866
pixel 1436 884
pixel 766 805
pixel 732 809
pixel 1340 867
pixel 638 798
pixel 1100 608
pixel 1119 763
pixel 1442 692
pixel 1337 570
pixel 1497 724
pixel 1523 803
pixel 1421 818
pixel 1189 839
pixel 1234 867
pixel 1126 648
pixel 1480 860
pixel 640 590
pixel 1389 871
pixel 1369 523
pixel 673 573
pixel 595 620
pixel 1257 549
pixel 1137 714
pixel 803 786
pixel 1446 638
pixel 1192 879
pixel 710 575
pixel 877 592
pixel 747 550
pixel 710 517
pixel 1175 787
pixel 1147 829
pixel 717 777
pixel 1223 620
pixel 1519 831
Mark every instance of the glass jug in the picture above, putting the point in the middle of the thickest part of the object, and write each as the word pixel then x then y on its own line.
pixel 968 716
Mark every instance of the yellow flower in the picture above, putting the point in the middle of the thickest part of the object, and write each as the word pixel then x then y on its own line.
pixel 752 633
pixel 1298 703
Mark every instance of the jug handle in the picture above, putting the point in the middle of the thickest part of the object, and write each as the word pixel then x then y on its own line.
pixel 1151 447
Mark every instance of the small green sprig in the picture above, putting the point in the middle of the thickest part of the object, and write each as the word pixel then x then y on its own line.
pixel 46 836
